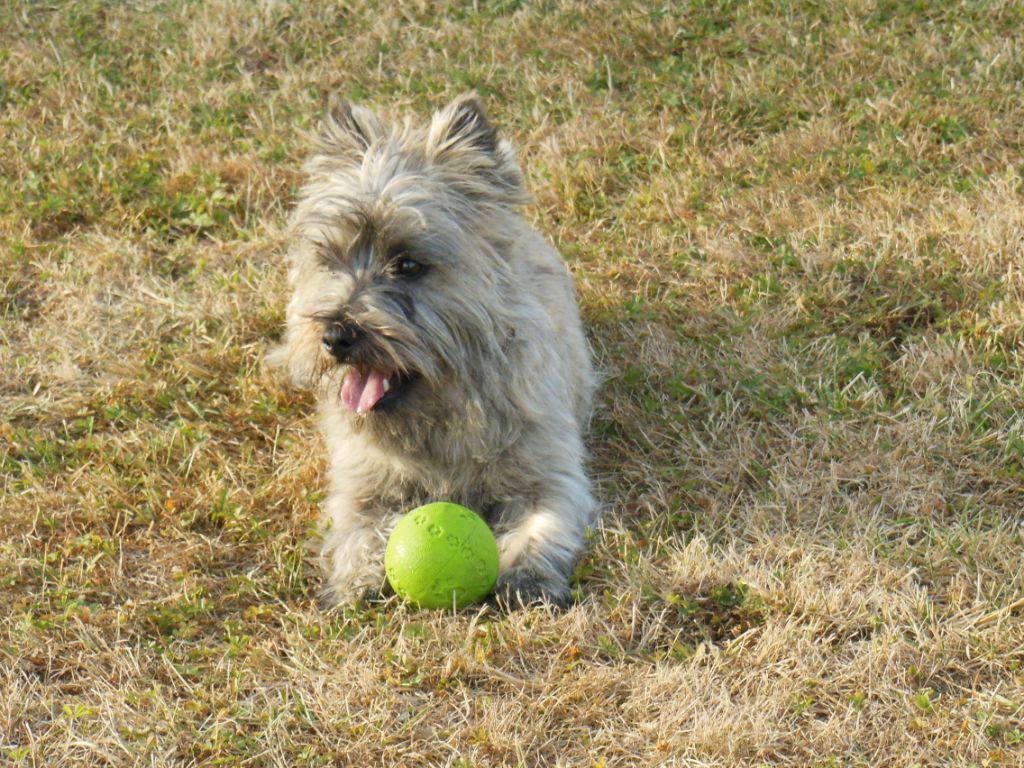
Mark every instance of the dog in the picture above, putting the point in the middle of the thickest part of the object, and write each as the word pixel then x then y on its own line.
pixel 442 337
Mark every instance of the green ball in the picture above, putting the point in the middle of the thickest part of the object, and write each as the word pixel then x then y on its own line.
pixel 442 555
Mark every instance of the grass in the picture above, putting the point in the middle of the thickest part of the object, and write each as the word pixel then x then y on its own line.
pixel 797 231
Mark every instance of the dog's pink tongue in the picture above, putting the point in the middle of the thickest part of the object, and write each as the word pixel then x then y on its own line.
pixel 362 389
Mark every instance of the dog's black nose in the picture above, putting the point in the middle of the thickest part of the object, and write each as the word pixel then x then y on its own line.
pixel 341 338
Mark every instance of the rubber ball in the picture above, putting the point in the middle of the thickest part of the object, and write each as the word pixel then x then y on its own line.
pixel 441 555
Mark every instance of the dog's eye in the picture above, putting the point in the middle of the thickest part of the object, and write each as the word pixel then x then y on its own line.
pixel 406 267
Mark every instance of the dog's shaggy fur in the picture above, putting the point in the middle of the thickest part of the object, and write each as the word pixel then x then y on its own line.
pixel 442 335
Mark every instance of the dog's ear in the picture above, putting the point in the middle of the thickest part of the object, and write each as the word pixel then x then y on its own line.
pixel 349 129
pixel 462 139
pixel 463 124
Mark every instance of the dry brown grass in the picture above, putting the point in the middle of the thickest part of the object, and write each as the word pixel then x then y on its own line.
pixel 798 231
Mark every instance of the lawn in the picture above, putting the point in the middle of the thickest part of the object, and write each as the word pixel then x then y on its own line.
pixel 797 230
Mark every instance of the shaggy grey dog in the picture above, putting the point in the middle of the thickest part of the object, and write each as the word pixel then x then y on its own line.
pixel 442 336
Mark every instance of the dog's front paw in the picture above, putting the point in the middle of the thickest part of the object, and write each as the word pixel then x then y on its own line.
pixel 354 582
pixel 524 586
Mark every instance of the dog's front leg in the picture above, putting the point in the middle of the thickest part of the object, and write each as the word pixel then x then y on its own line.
pixel 352 551
pixel 539 544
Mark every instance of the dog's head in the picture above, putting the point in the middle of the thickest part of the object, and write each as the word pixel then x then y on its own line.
pixel 399 266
